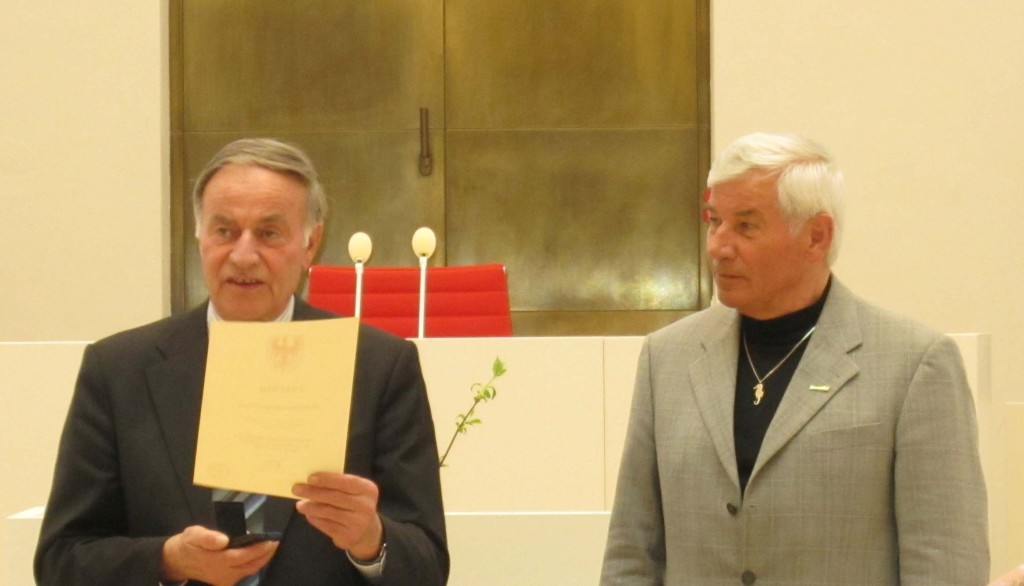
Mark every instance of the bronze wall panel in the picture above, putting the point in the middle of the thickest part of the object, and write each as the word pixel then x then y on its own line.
pixel 176 103
pixel 586 220
pixel 591 323
pixel 562 63
pixel 372 184
pixel 311 65
pixel 175 58
pixel 703 65
pixel 598 222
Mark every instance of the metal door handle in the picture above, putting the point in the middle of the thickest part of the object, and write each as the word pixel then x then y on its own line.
pixel 426 161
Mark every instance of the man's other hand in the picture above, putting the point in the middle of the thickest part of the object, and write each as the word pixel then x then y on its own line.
pixel 343 507
pixel 198 553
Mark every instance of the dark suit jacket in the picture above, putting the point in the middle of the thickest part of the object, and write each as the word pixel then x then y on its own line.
pixel 123 479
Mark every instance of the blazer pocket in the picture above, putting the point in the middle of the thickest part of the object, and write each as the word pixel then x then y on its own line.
pixel 847 437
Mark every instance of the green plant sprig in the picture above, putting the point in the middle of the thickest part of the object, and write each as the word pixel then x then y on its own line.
pixel 482 393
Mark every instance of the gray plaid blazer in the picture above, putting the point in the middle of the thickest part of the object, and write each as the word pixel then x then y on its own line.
pixel 869 473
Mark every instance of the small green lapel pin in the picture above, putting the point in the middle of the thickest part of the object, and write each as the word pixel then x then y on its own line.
pixel 821 388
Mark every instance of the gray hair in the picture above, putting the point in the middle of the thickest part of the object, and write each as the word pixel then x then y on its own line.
pixel 273 155
pixel 808 181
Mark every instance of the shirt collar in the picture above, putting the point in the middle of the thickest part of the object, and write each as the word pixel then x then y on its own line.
pixel 286 315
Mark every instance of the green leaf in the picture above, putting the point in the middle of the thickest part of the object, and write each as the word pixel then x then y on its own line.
pixel 498 368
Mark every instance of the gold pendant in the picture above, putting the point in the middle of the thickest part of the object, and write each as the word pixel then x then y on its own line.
pixel 758 393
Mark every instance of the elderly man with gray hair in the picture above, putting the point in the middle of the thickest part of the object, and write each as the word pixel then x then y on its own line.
pixel 795 434
pixel 123 508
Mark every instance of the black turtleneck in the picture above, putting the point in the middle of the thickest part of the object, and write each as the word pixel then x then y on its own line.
pixel 769 341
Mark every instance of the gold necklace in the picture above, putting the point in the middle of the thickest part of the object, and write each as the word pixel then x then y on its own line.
pixel 759 387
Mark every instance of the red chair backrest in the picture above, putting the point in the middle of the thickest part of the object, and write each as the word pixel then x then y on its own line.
pixel 462 301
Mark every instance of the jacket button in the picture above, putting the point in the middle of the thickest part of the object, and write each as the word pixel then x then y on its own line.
pixel 749 578
pixel 733 509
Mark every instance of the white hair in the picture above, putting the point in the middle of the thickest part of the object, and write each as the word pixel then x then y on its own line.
pixel 808 181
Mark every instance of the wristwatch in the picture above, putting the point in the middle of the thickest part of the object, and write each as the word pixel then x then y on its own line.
pixel 377 561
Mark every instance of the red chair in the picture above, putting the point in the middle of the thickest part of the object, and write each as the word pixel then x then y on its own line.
pixel 466 301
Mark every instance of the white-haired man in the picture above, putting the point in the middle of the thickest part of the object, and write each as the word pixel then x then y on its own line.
pixel 795 434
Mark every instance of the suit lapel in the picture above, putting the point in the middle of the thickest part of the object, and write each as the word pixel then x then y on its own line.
pixel 305 311
pixel 713 380
pixel 176 387
pixel 826 363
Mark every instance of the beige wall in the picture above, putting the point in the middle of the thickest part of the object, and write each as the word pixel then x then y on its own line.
pixel 84 161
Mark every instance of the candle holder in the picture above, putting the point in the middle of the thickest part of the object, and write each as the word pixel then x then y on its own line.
pixel 423 244
pixel 359 249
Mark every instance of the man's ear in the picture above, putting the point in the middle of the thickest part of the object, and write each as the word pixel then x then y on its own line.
pixel 313 243
pixel 820 229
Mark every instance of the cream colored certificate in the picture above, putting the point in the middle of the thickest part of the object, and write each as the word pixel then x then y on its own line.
pixel 275 403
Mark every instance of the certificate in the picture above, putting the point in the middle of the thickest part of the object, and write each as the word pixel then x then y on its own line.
pixel 276 403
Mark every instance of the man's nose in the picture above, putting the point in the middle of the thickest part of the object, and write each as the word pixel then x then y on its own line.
pixel 244 252
pixel 720 244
